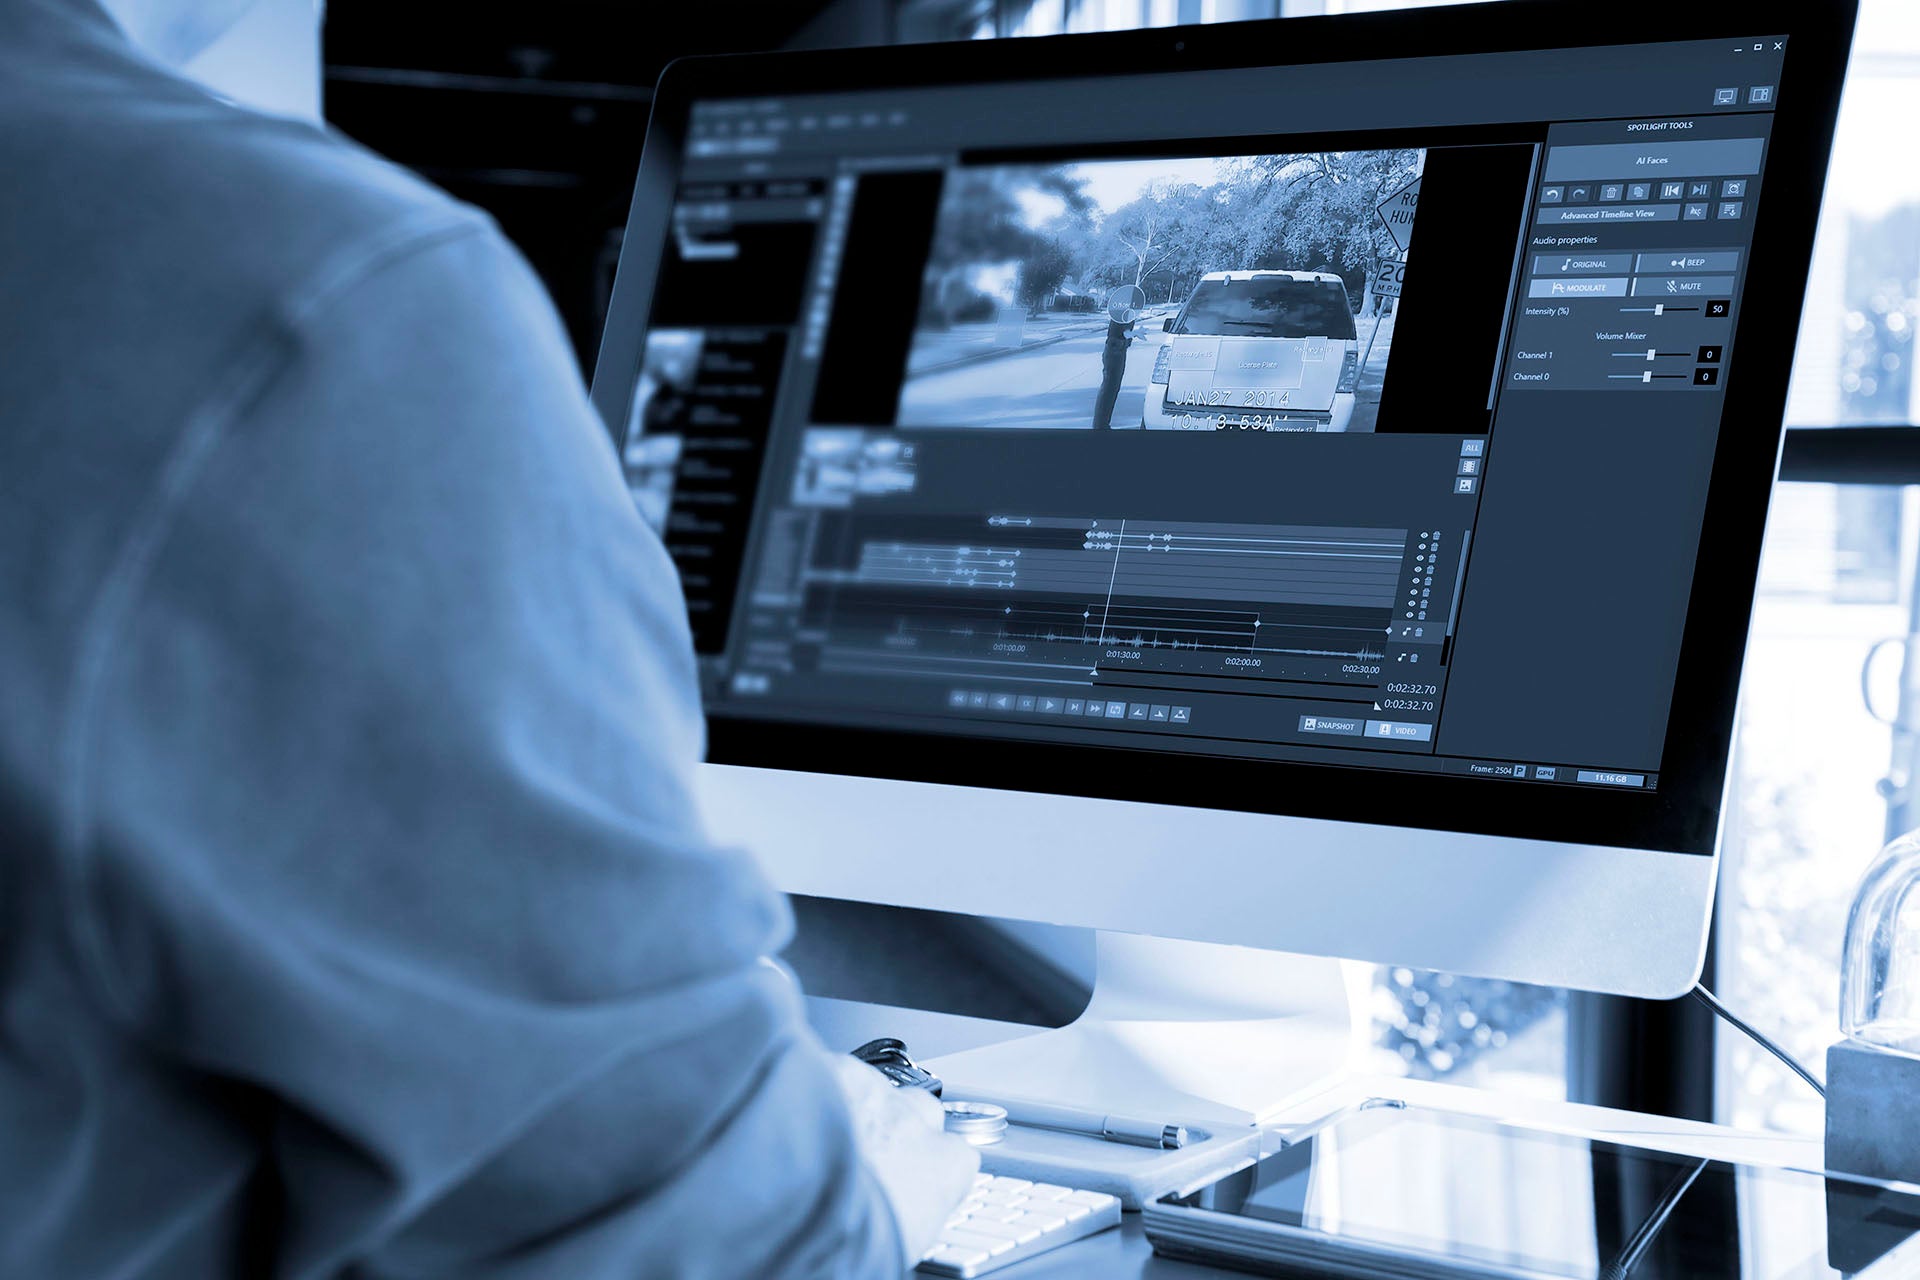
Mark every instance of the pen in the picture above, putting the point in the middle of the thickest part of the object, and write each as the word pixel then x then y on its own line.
pixel 1113 1128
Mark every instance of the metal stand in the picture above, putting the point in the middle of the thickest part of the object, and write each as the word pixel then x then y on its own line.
pixel 1194 1032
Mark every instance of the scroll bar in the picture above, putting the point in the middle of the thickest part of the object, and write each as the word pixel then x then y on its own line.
pixel 1459 581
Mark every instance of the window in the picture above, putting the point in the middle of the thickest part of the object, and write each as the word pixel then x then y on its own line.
pixel 1838 575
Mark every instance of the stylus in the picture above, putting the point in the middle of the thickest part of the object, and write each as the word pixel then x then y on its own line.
pixel 1113 1128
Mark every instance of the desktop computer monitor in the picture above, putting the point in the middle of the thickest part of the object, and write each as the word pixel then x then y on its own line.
pixel 1292 484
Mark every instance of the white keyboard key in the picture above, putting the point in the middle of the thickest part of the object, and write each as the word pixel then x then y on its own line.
pixel 968 1238
pixel 953 1255
pixel 1007 1220
pixel 1005 1231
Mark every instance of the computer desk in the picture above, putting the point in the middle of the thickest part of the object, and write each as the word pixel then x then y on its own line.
pixel 1116 1255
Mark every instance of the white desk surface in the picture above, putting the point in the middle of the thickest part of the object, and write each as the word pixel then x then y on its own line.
pixel 1124 1253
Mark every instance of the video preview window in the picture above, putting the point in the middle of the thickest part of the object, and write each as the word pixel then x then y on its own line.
pixel 1204 293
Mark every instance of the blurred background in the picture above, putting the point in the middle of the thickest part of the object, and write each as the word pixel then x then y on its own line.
pixel 536 113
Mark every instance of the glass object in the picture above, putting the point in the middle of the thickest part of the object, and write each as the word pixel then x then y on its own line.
pixel 1880 967
pixel 1873 1072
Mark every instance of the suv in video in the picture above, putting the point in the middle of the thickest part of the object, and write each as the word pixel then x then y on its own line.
pixel 1259 350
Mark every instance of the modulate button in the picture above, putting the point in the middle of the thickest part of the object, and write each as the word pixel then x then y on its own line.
pixel 1339 726
pixel 1399 730
pixel 1583 287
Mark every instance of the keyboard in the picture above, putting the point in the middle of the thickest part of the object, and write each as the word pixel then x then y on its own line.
pixel 1007 1220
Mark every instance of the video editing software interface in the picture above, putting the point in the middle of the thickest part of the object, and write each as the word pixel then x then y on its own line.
pixel 1396 457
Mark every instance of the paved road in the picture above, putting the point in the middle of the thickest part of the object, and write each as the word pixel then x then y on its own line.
pixel 1054 386
pixel 1051 386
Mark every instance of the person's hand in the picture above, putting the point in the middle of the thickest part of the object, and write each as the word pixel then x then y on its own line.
pixel 924 1171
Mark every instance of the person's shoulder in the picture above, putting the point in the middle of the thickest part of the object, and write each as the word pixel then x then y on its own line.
pixel 286 203
pixel 212 208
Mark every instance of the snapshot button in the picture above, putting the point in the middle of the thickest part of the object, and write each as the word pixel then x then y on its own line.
pixel 1339 726
pixel 1400 730
pixel 1608 778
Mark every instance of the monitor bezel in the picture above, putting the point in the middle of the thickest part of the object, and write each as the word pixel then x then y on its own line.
pixel 1683 815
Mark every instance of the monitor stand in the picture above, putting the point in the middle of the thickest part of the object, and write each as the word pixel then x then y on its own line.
pixel 1194 1032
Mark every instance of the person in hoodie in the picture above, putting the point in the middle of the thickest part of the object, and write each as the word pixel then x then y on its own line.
pixel 356 918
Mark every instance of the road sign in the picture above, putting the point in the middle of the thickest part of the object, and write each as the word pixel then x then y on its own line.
pixel 1396 214
pixel 1386 279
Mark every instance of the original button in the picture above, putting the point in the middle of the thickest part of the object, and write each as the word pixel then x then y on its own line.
pixel 1726 97
pixel 1581 263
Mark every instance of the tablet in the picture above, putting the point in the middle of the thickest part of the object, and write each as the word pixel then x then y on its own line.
pixel 1386 1189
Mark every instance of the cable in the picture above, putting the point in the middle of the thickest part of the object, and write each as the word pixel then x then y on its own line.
pixel 1712 1002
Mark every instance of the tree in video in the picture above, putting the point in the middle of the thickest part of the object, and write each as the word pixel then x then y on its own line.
pixel 1199 294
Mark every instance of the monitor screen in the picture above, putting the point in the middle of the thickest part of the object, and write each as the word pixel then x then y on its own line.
pixel 1356 414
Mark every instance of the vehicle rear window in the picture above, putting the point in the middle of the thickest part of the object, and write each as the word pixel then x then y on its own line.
pixel 1273 307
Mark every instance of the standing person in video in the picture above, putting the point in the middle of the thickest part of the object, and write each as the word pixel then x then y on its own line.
pixel 1123 312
